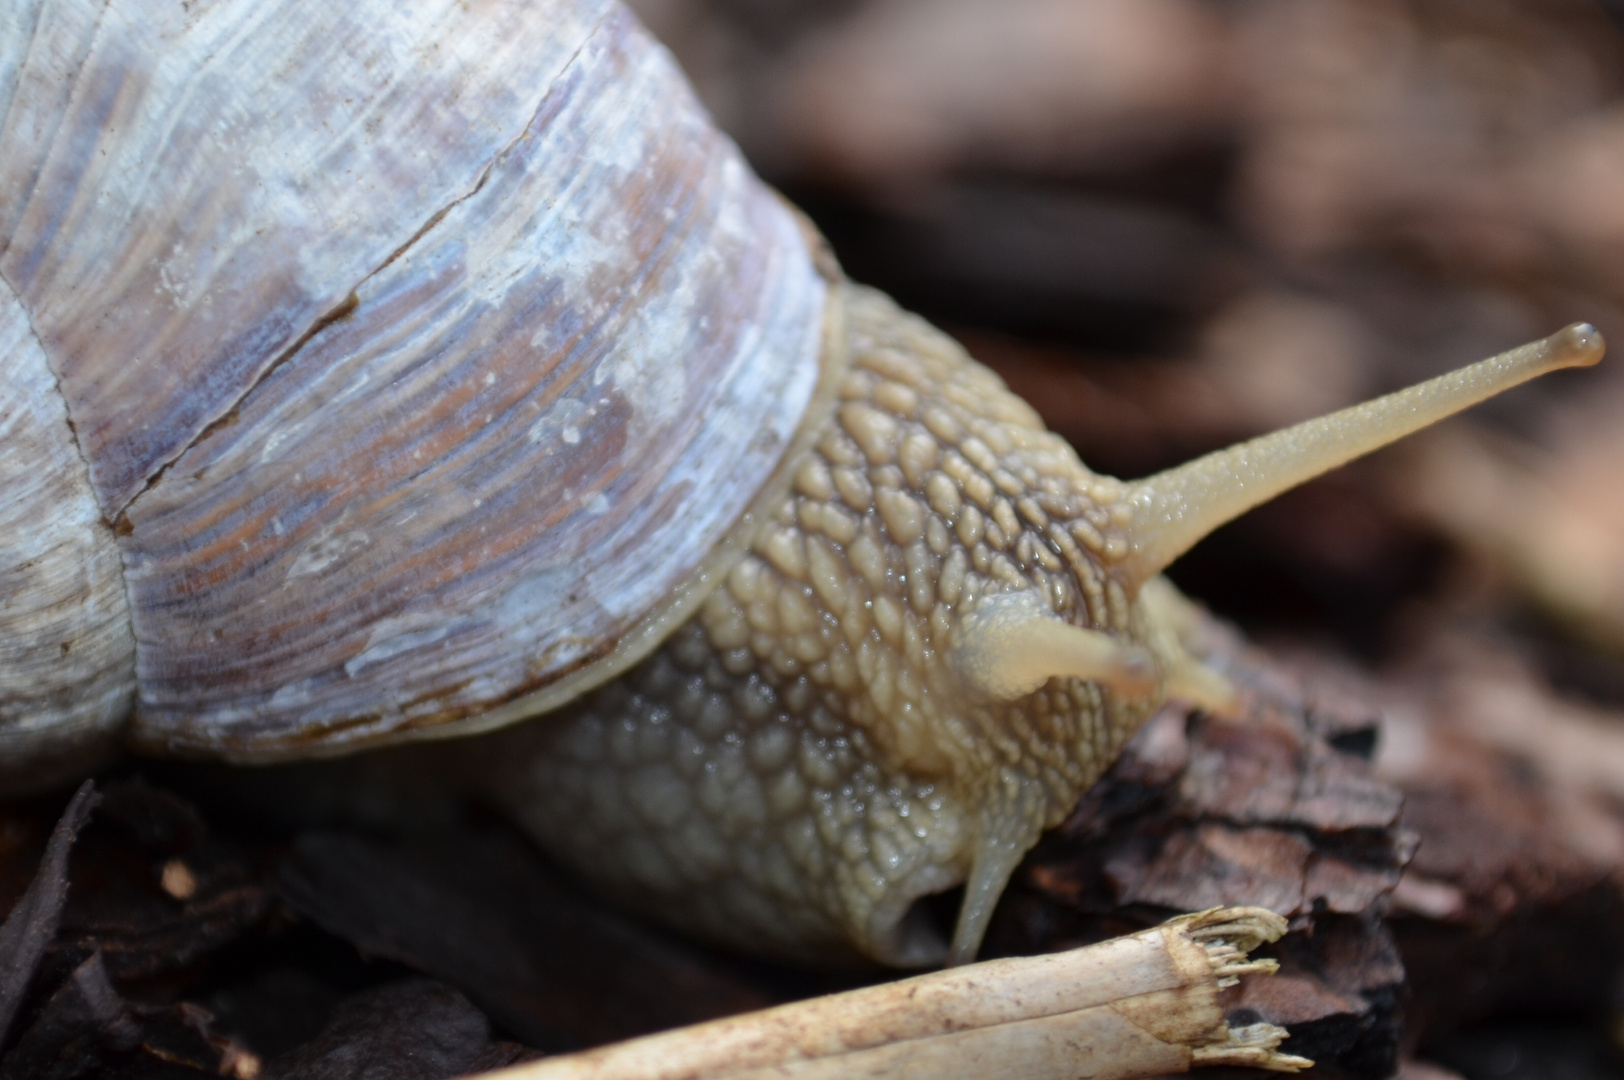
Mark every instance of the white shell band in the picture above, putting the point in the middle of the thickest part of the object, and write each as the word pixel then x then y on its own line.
pixel 67 657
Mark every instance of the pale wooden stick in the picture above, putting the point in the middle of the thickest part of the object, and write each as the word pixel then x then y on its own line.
pixel 1133 1006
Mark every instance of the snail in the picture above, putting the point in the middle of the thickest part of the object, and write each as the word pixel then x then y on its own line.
pixel 386 372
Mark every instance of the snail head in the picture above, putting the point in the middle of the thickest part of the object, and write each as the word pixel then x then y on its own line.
pixel 1012 644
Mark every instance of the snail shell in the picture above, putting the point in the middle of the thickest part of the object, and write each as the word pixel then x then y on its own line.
pixel 417 357
pixel 386 371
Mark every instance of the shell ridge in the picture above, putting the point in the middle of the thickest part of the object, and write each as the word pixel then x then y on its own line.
pixel 129 235
pixel 59 710
pixel 10 295
pixel 669 243
pixel 73 431
pixel 625 309
pixel 70 81
pixel 104 88
pixel 741 381
pixel 73 439
pixel 56 386
pixel 10 73
pixel 349 304
pixel 213 61
pixel 565 72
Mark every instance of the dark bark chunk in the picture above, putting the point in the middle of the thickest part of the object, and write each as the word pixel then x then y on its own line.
pixel 416 1029
pixel 80 1029
pixel 1267 809
pixel 32 924
pixel 481 913
pixel 154 893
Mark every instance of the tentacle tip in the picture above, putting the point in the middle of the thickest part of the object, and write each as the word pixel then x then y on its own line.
pixel 1579 345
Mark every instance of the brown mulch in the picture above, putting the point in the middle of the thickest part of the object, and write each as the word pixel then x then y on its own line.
pixel 1434 876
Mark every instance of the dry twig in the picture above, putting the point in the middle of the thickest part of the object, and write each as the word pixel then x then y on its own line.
pixel 1134 1006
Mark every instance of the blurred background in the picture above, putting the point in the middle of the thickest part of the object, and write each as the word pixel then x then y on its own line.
pixel 1171 224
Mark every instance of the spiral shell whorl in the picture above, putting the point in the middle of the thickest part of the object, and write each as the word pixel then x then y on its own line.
pixel 421 351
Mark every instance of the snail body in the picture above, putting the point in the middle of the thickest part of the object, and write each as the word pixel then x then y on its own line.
pixel 410 370
pixel 807 756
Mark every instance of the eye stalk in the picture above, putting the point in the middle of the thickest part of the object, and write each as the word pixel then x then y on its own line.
pixel 1174 509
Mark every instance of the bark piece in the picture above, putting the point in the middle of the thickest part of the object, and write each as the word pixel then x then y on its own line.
pixel 184 1035
pixel 82 1027
pixel 481 914
pixel 1339 992
pixel 1278 807
pixel 1265 810
pixel 416 1029
pixel 32 924
pixel 1515 898
pixel 155 893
